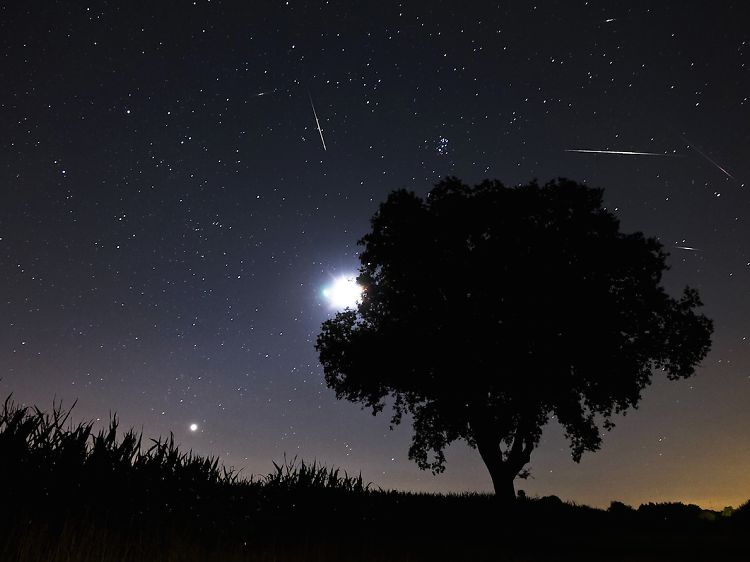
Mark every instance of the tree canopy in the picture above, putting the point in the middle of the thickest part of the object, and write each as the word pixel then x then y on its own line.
pixel 487 310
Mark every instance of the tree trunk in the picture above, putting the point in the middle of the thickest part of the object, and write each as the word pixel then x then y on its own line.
pixel 505 490
pixel 489 450
pixel 503 471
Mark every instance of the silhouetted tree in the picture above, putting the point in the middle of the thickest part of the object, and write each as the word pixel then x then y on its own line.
pixel 486 311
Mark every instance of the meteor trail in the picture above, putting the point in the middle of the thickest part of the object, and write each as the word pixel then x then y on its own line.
pixel 317 122
pixel 627 153
pixel 705 156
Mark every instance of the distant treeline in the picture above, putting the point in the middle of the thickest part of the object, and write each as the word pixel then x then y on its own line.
pixel 60 482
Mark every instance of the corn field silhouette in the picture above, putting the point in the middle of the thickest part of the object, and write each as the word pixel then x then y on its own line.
pixel 71 494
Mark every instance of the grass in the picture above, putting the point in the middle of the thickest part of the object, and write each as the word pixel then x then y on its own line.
pixel 71 495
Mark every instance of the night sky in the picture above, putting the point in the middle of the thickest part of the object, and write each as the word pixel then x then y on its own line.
pixel 170 214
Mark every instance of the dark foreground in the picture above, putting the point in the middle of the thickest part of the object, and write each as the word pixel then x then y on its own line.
pixel 69 495
pixel 409 527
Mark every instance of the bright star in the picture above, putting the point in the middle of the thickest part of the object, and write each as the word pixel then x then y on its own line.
pixel 193 427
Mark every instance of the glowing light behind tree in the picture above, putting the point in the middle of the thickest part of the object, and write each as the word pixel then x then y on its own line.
pixel 343 293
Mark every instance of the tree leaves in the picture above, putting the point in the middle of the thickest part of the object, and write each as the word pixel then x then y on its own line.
pixel 487 310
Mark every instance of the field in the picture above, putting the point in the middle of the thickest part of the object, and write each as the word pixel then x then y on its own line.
pixel 69 495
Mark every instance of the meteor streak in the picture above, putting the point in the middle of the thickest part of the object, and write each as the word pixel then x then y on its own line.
pixel 317 122
pixel 625 152
pixel 706 157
